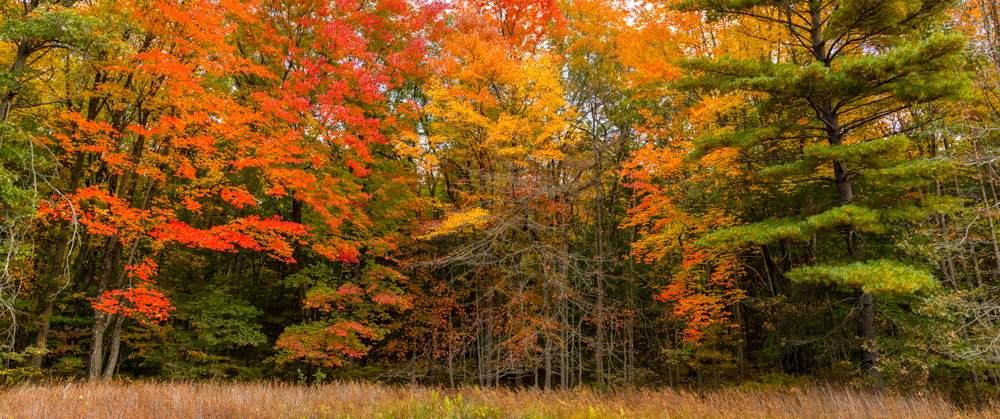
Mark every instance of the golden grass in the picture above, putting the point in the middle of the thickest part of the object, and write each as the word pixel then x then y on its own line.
pixel 364 400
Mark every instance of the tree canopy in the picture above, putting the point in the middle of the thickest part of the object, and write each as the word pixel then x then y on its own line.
pixel 501 192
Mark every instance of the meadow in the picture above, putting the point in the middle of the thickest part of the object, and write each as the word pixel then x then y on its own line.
pixel 364 400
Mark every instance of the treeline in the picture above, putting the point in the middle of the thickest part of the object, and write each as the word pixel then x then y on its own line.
pixel 503 192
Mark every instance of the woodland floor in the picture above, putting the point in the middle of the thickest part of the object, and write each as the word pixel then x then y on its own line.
pixel 361 400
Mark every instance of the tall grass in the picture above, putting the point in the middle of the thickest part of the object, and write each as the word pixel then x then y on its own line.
pixel 363 400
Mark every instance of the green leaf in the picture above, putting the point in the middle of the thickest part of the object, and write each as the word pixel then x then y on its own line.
pixel 880 275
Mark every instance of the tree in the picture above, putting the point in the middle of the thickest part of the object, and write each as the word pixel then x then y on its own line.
pixel 152 115
pixel 166 117
pixel 40 36
pixel 499 124
pixel 338 98
pixel 813 121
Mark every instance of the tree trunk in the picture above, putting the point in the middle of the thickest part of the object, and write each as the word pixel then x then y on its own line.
pixel 739 340
pixel 113 348
pixel 599 314
pixel 62 242
pixel 845 193
pixel 599 248
pixel 715 368
pixel 25 47
pixel 866 331
pixel 101 320
pixel 46 321
pixel 48 300
pixel 701 383
pixel 451 353
pixel 989 220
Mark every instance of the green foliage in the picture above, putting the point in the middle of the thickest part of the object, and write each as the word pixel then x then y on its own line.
pixel 20 166
pixel 51 23
pixel 346 316
pixel 881 275
pixel 18 374
pixel 437 407
pixel 804 164
pixel 777 380
pixel 222 321
pixel 802 116
pixel 773 230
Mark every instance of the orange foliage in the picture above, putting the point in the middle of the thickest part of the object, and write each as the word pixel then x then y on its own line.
pixel 523 24
pixel 141 300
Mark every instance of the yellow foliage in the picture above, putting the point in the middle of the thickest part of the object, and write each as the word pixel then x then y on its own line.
pixel 460 222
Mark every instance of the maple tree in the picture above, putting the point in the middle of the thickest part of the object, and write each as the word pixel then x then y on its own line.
pixel 148 124
pixel 498 119
pixel 161 115
pixel 676 199
pixel 500 192
pixel 340 98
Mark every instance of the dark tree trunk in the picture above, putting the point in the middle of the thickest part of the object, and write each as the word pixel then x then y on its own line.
pixel 866 331
pixel 62 242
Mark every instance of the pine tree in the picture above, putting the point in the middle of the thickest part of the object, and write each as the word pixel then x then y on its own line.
pixel 822 120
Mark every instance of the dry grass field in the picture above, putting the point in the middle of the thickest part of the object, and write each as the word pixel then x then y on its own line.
pixel 361 400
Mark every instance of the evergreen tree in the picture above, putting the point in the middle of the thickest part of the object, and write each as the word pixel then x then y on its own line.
pixel 823 121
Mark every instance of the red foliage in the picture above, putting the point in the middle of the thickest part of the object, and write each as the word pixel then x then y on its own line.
pixel 523 23
pixel 140 301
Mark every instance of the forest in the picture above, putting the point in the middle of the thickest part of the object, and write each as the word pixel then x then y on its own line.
pixel 502 193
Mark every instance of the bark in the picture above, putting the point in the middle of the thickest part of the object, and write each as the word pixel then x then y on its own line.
pixel 829 114
pixel 989 219
pixel 546 314
pixel 740 366
pixel 599 249
pixel 770 270
pixel 62 242
pixel 113 348
pixel 25 47
pixel 101 320
pixel 701 383
pixel 599 315
pixel 43 330
pixel 579 352
pixel 564 372
pixel 715 368
pixel 48 300
pixel 85 276
pixel 866 331
pixel 451 354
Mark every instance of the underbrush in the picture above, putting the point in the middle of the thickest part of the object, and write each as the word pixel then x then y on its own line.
pixel 365 400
